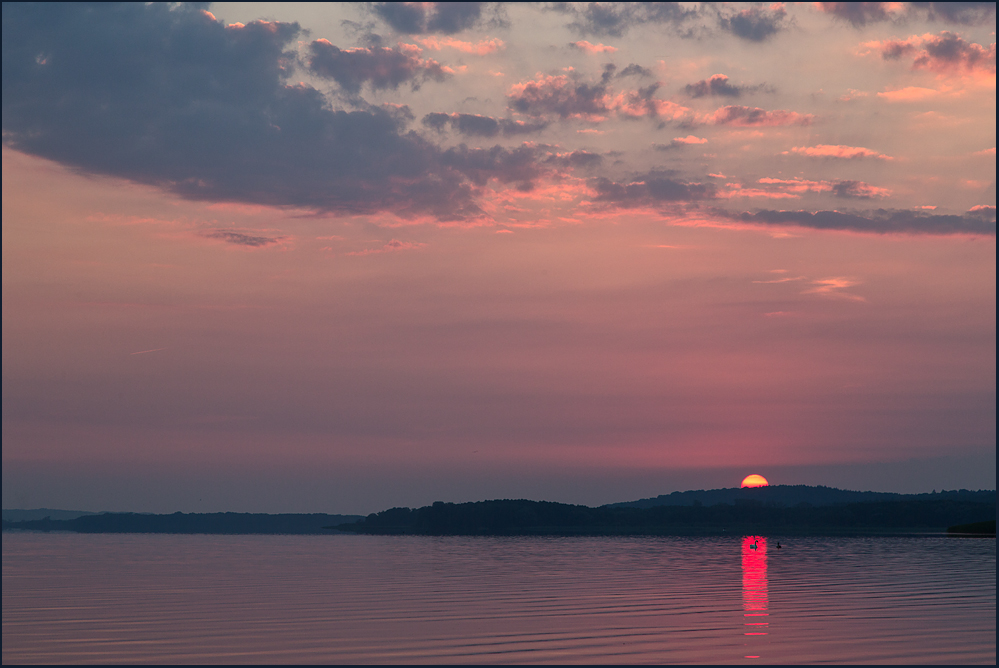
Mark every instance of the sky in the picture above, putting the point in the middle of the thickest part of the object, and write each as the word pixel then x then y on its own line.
pixel 344 257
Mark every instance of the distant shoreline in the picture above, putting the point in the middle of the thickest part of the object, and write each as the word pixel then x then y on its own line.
pixel 188 523
pixel 956 513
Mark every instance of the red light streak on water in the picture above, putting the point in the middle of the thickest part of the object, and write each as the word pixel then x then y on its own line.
pixel 755 595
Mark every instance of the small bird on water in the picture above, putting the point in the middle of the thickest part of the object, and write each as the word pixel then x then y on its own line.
pixel 753 546
pixel 778 545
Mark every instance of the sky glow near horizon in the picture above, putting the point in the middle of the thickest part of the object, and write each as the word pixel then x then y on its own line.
pixel 336 258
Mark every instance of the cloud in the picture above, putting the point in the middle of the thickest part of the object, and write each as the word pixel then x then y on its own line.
pixel 845 189
pixel 944 53
pixel 833 287
pixel 413 18
pixel 679 142
pixel 559 95
pixel 573 160
pixel 880 221
pixel 474 125
pixel 614 19
pixel 390 247
pixel 652 188
pixel 863 13
pixel 858 190
pixel 756 117
pixel 592 48
pixel 117 92
pixel 241 239
pixel 909 94
pixel 838 151
pixel 717 86
pixel 481 48
pixel 635 70
pixel 965 13
pixel 756 24
pixel 380 67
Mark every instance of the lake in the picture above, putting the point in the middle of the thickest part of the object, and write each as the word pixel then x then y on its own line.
pixel 128 598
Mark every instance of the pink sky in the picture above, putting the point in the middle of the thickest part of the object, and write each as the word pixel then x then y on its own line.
pixel 589 255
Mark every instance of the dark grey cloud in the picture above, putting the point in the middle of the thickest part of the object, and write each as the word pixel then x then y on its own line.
pixel 414 18
pixel 614 19
pixel 380 67
pixel 634 70
pixel 756 24
pixel 963 13
pixel 166 95
pixel 560 96
pixel 717 85
pixel 862 13
pixel 474 125
pixel 574 160
pixel 519 165
pixel 854 190
pixel 857 13
pixel 754 116
pixel 652 188
pixel 880 221
pixel 241 239
pixel 677 143
pixel 566 97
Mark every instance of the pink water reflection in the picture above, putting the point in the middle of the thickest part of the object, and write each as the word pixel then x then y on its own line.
pixel 755 600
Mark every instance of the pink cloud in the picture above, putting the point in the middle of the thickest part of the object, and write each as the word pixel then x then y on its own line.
pixel 689 139
pixel 834 287
pixel 738 191
pixel 755 117
pixel 785 189
pixel 593 48
pixel 839 151
pixel 482 48
pixel 799 185
pixel 909 94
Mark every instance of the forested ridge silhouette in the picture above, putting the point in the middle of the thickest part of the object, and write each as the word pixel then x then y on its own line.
pixel 523 517
pixel 759 510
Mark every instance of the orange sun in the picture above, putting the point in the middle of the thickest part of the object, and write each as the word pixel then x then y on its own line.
pixel 754 481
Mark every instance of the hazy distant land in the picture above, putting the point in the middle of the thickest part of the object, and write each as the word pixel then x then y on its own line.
pixel 210 523
pixel 779 508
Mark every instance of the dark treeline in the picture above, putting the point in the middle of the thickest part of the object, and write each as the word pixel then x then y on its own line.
pixel 749 512
pixel 215 523
pixel 792 495
pixel 520 517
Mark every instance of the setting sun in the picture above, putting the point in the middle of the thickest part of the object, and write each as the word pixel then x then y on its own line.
pixel 754 481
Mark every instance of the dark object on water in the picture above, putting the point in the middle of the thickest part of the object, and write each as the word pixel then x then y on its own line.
pixel 778 545
pixel 974 529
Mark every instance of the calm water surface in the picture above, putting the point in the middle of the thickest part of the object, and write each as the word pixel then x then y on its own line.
pixel 349 599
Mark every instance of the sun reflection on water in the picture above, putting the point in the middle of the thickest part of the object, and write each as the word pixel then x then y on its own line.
pixel 755 599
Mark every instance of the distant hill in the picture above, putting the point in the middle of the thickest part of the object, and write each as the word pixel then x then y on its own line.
pixel 208 523
pixel 747 516
pixel 19 515
pixel 794 495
